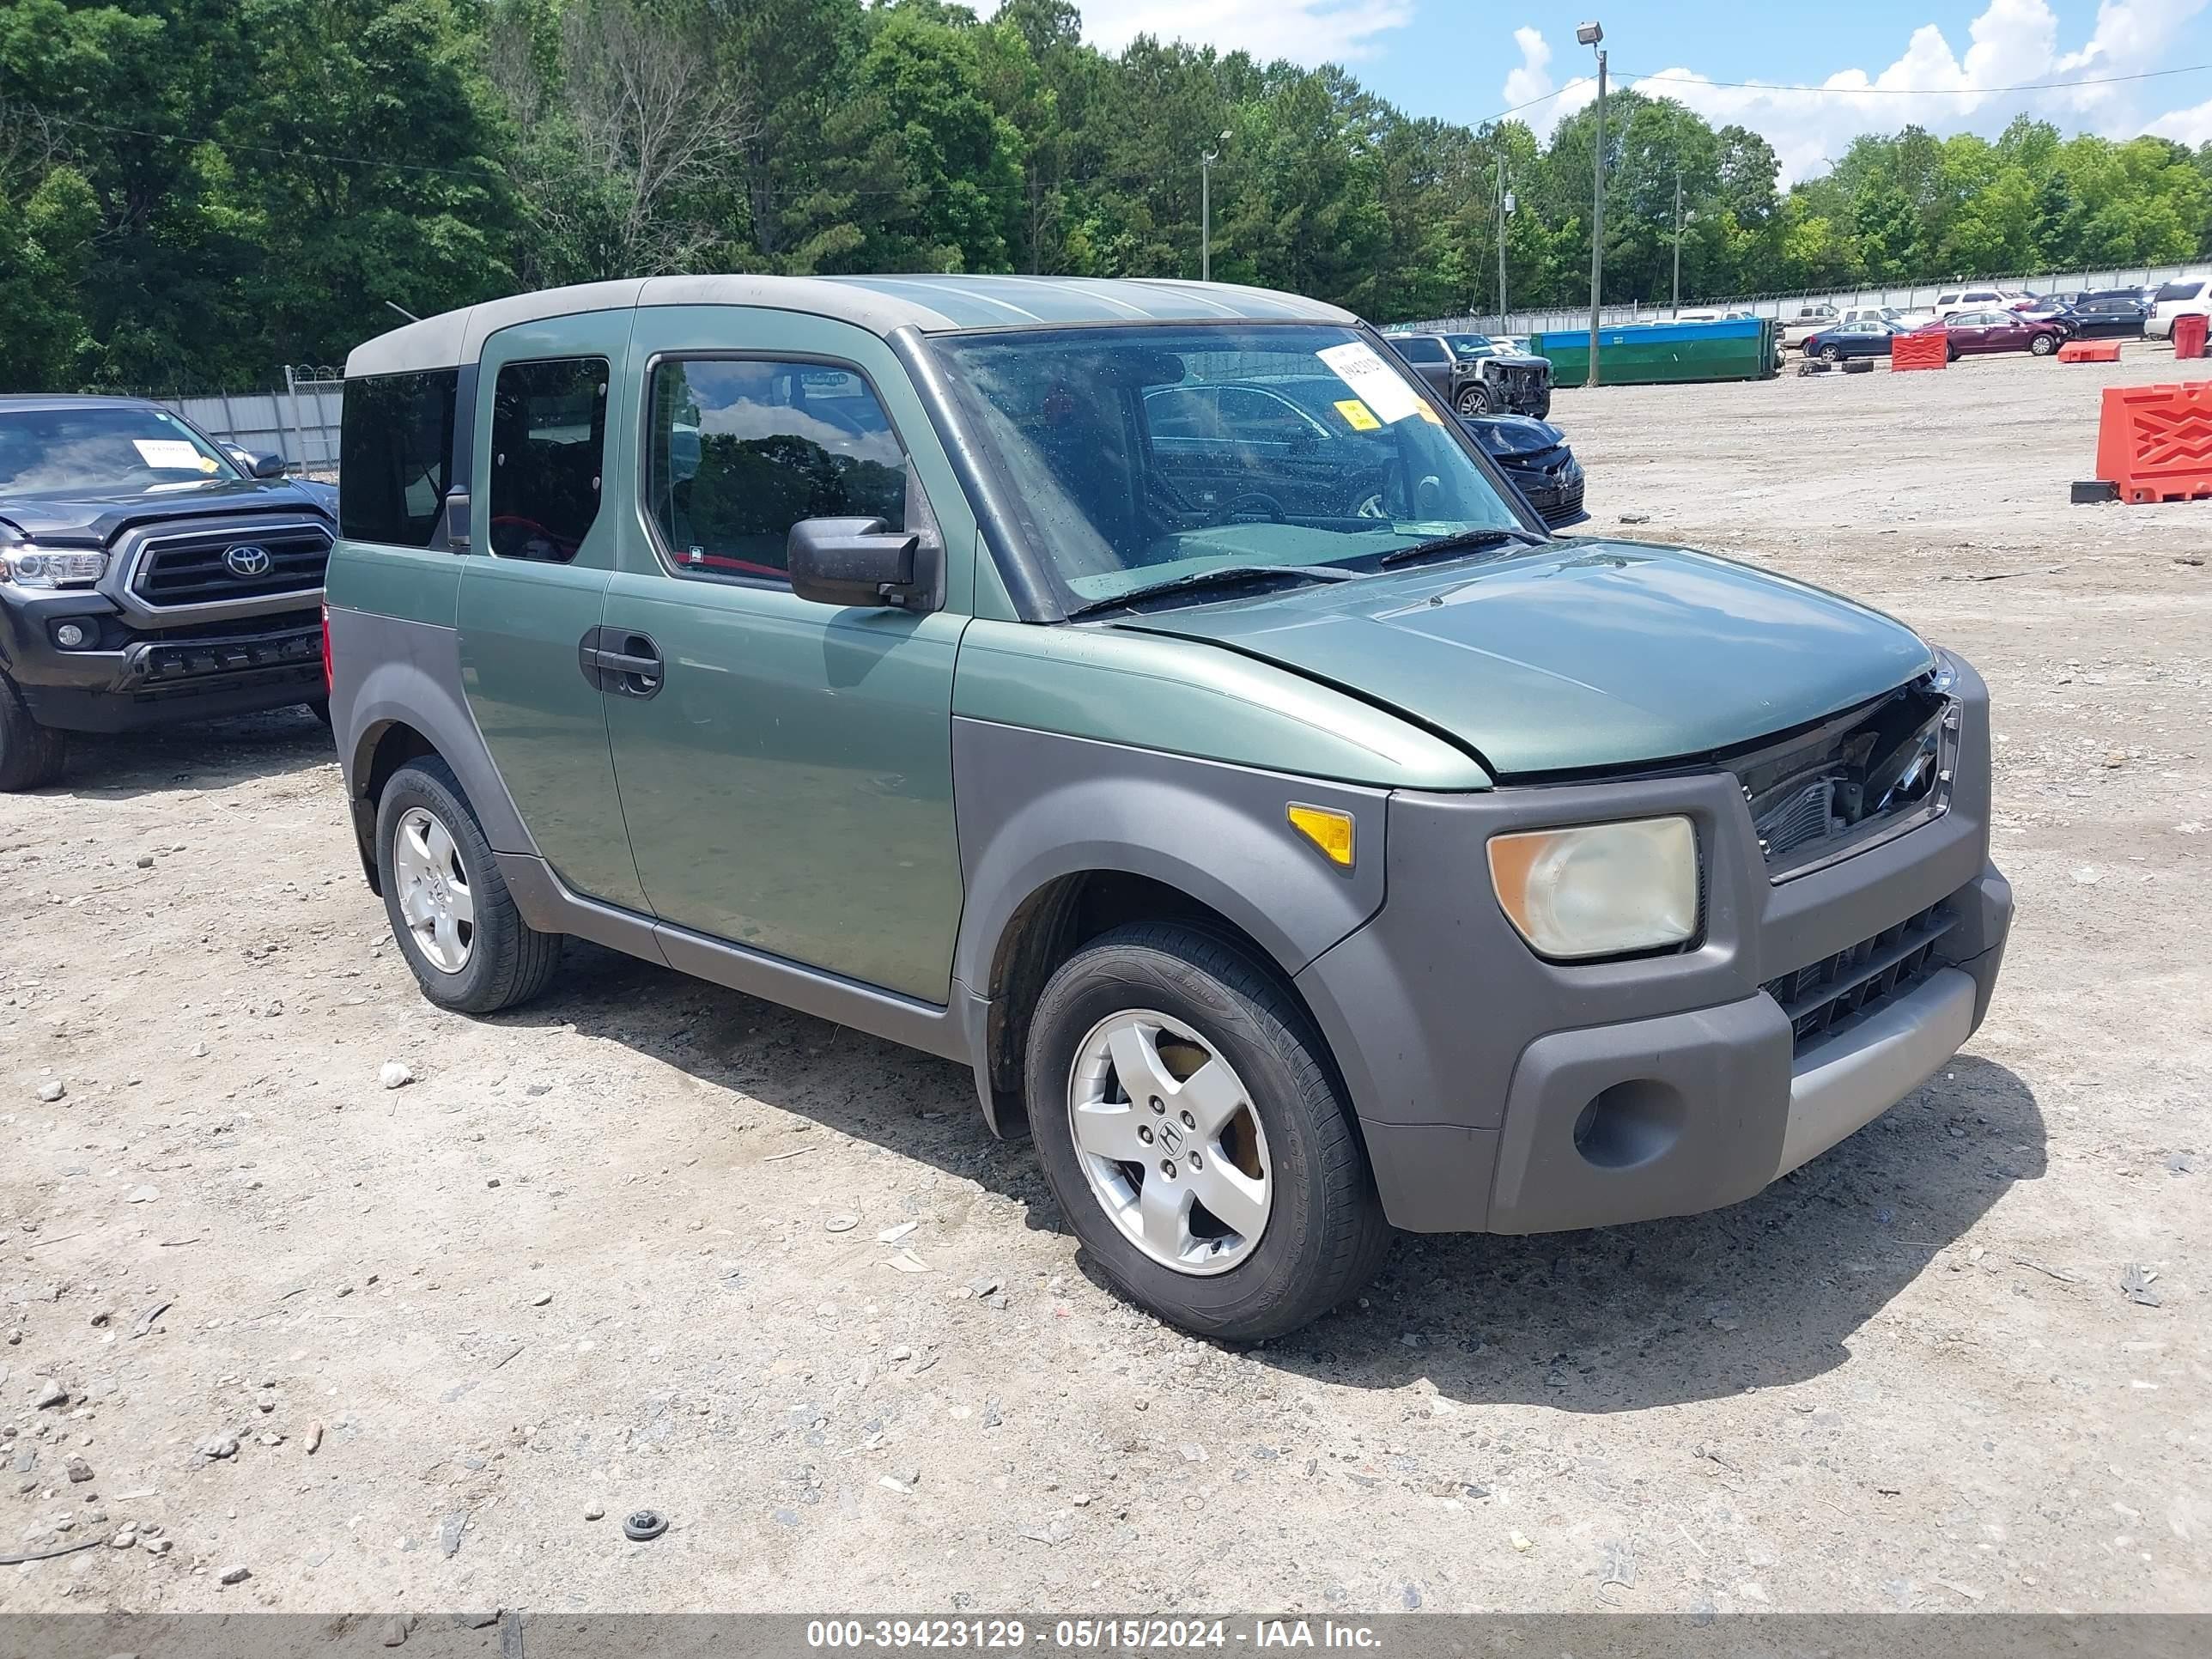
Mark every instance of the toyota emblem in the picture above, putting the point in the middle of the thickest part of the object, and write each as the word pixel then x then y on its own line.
pixel 246 560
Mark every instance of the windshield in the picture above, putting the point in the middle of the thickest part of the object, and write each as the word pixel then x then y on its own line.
pixel 1139 454
pixel 1468 346
pixel 104 449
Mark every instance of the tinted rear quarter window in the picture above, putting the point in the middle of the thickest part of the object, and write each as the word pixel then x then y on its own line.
pixel 549 434
pixel 2181 290
pixel 395 449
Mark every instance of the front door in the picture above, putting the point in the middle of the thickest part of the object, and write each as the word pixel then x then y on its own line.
pixel 550 426
pixel 785 767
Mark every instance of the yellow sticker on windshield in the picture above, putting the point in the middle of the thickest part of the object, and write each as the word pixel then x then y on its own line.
pixel 1421 408
pixel 1357 415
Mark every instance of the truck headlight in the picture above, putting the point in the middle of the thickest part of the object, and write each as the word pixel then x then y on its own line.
pixel 34 567
pixel 1600 890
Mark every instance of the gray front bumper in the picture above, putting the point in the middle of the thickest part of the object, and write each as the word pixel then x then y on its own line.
pixel 1497 1092
pixel 1847 1082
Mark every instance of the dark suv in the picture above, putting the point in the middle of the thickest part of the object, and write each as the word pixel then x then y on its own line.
pixel 148 575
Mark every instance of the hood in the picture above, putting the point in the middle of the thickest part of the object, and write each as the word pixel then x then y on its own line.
pixel 1512 360
pixel 1578 655
pixel 1512 434
pixel 93 520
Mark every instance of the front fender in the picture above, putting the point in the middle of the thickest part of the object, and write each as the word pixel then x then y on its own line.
pixel 1033 806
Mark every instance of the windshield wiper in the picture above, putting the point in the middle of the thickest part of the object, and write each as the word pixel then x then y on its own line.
pixel 1460 541
pixel 1227 575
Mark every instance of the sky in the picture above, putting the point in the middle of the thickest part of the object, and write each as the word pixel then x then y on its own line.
pixel 1470 63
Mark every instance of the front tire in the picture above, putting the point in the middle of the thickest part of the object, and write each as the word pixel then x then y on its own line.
pixel 2042 345
pixel 1473 399
pixel 1189 1124
pixel 30 756
pixel 468 946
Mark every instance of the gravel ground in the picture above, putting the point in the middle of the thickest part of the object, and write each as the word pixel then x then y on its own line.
pixel 425 1346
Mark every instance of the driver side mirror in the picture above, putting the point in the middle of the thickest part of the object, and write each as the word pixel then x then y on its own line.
pixel 859 562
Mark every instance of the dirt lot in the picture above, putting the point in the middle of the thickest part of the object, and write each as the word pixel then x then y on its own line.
pixel 588 1260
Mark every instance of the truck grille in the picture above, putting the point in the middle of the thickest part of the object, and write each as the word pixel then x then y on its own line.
pixel 1822 994
pixel 198 569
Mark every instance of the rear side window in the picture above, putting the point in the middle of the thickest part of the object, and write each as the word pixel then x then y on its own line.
pixel 740 451
pixel 395 448
pixel 1948 300
pixel 2181 290
pixel 549 437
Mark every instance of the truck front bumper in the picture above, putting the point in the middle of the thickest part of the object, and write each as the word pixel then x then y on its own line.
pixel 1498 1092
pixel 129 678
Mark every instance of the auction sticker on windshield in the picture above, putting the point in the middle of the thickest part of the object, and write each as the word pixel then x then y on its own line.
pixel 1379 386
pixel 1358 416
pixel 168 454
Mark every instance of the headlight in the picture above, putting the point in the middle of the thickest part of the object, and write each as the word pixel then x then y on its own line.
pixel 1600 890
pixel 32 567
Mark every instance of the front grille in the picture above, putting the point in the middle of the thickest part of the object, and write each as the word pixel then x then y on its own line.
pixel 1886 764
pixel 1565 507
pixel 191 569
pixel 161 663
pixel 1824 995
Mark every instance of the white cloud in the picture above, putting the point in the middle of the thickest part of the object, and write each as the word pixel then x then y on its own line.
pixel 2011 43
pixel 1306 31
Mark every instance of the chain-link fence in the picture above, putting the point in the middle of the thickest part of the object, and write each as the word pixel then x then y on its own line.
pixel 299 422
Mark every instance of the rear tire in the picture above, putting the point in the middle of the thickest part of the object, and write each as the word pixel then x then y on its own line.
pixel 495 960
pixel 1831 354
pixel 1274 1135
pixel 30 756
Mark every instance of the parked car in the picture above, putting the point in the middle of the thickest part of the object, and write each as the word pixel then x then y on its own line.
pixel 1535 457
pixel 1903 319
pixel 1971 331
pixel 1474 374
pixel 2190 297
pixel 941 691
pixel 148 574
pixel 1975 299
pixel 2102 315
pixel 2048 310
pixel 1806 320
pixel 1867 338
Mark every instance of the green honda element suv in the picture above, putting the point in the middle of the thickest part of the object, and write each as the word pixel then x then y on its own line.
pixel 1141 693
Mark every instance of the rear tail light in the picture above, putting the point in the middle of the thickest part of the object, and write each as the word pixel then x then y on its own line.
pixel 329 677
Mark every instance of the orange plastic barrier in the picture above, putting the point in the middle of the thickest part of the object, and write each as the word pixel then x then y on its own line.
pixel 2155 442
pixel 1920 351
pixel 2189 337
pixel 2089 351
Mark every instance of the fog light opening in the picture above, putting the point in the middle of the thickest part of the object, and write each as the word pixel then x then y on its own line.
pixel 1630 1123
pixel 72 636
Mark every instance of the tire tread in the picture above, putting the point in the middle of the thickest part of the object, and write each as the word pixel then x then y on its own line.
pixel 31 755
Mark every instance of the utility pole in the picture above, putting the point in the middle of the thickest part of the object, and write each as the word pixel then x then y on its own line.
pixel 1205 161
pixel 1590 34
pixel 1678 235
pixel 1504 207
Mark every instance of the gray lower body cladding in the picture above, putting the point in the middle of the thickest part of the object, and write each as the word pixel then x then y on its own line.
pixel 1499 1092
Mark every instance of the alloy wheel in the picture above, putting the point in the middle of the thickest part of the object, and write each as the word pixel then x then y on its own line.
pixel 434 897
pixel 1169 1142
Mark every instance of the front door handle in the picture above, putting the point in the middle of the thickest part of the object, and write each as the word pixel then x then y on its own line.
pixel 623 663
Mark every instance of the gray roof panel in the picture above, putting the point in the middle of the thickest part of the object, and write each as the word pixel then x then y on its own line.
pixel 881 305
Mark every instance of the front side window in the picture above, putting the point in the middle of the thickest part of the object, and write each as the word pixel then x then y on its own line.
pixel 741 450
pixel 1420 348
pixel 395 450
pixel 1138 454
pixel 548 440
pixel 105 449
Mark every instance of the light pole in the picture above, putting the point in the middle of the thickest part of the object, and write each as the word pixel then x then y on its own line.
pixel 1205 161
pixel 1590 34
pixel 1678 236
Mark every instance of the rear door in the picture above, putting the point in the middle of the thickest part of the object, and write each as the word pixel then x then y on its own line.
pixel 550 431
pixel 1431 357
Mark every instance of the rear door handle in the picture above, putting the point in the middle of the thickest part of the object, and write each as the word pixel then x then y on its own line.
pixel 621 663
